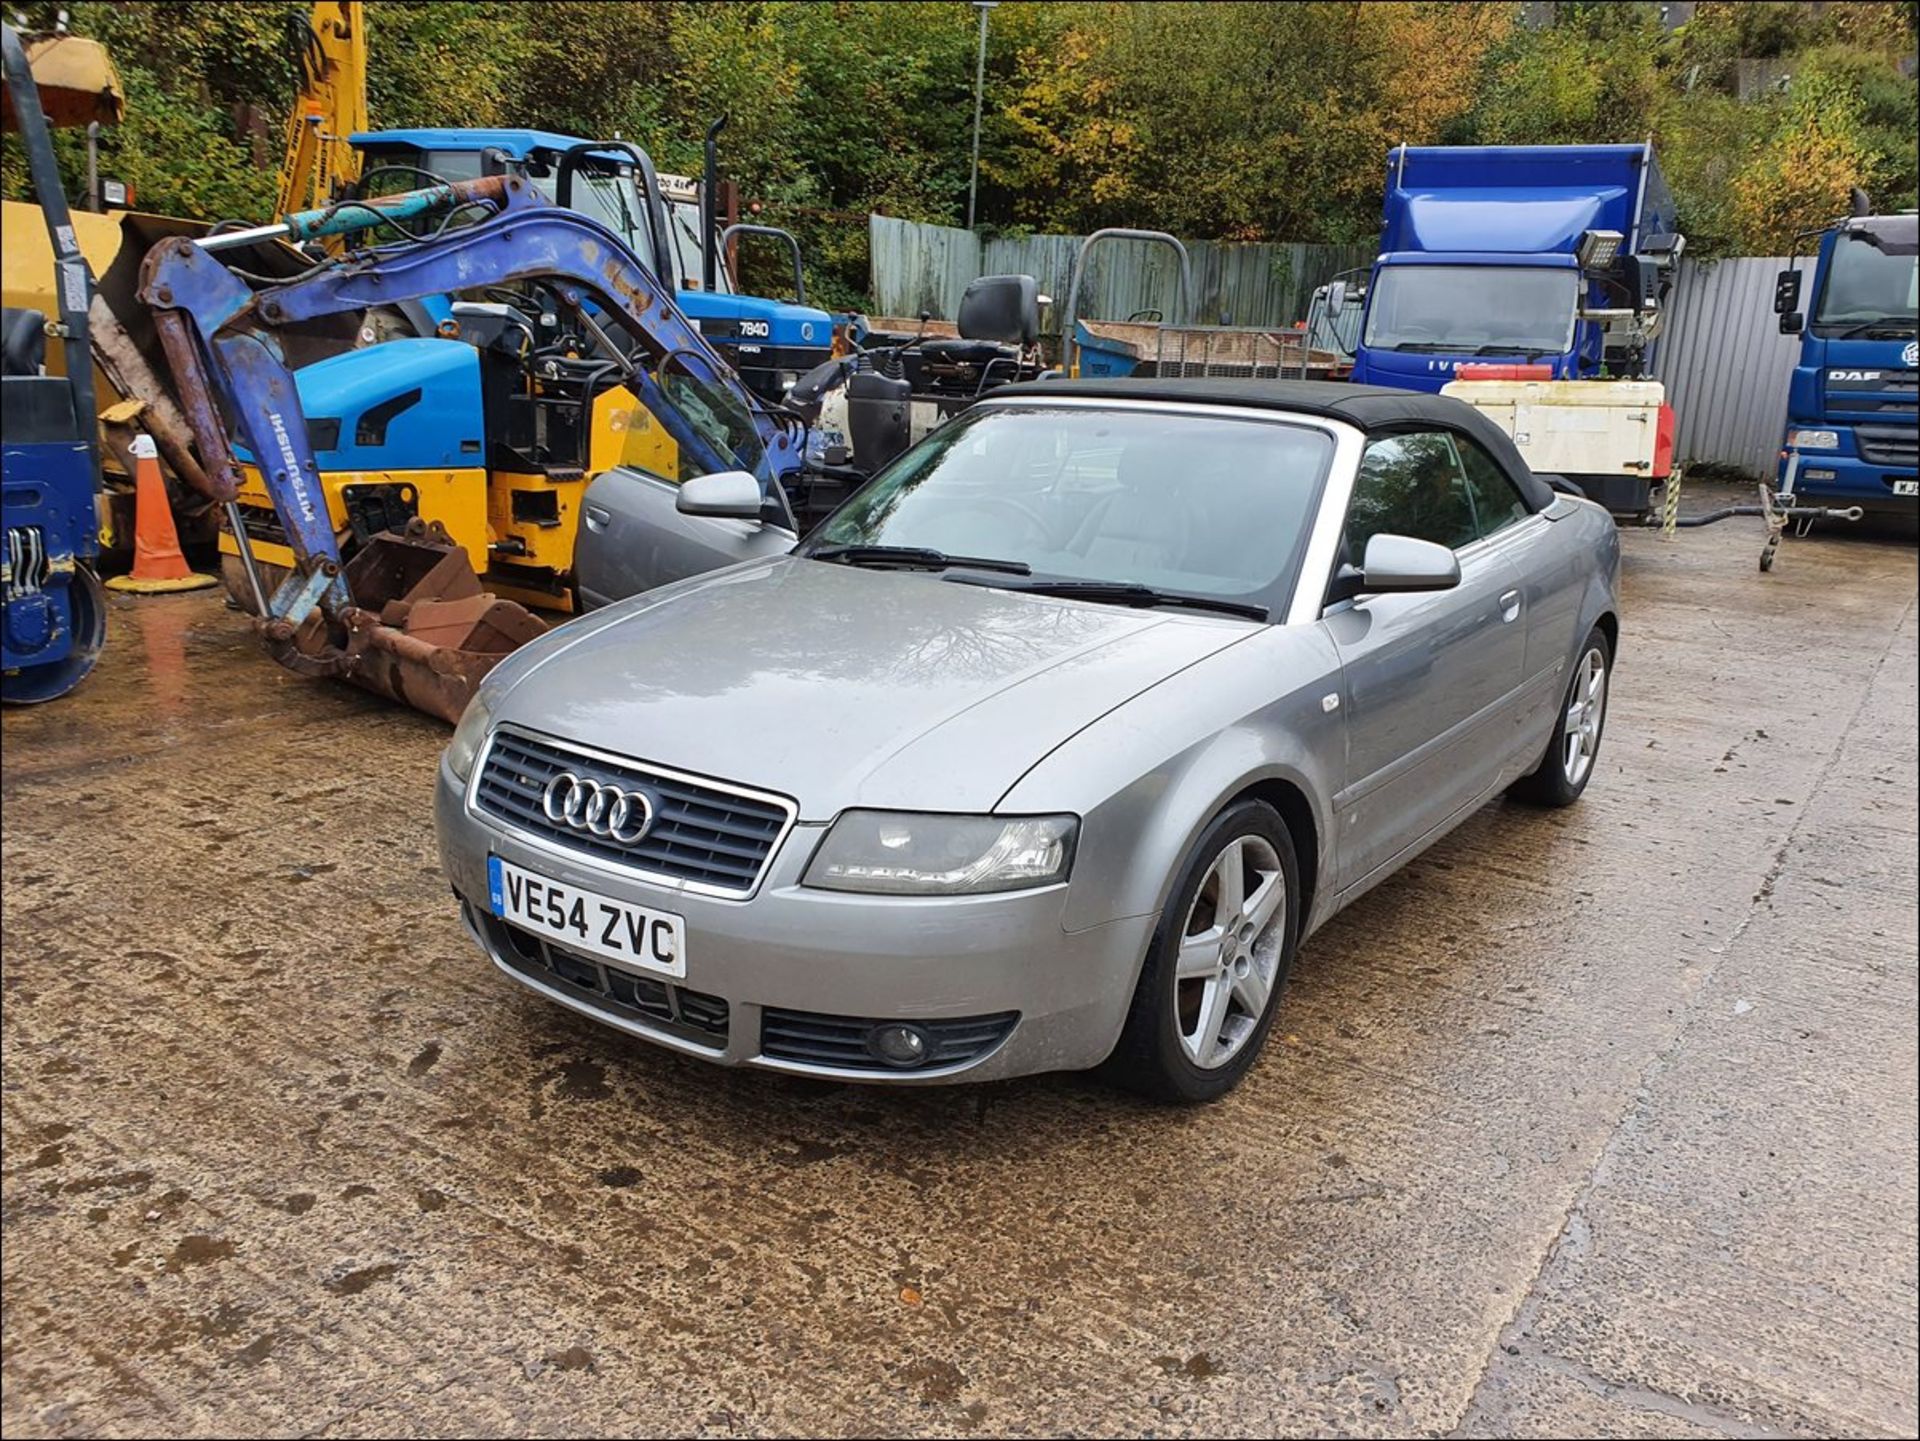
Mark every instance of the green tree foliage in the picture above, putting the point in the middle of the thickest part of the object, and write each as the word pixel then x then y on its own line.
pixel 1243 121
pixel 1802 178
pixel 1584 79
pixel 193 142
pixel 1251 121
pixel 452 62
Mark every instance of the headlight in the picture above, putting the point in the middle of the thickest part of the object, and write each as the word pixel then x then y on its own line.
pixel 468 736
pixel 897 853
pixel 1815 439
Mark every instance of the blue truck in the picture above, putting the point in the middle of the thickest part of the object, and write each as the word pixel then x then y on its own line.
pixel 1853 427
pixel 1555 256
pixel 661 217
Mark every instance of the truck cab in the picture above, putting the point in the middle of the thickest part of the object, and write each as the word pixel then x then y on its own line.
pixel 770 342
pixel 1853 426
pixel 1551 255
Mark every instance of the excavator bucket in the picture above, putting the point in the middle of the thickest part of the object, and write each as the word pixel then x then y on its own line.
pixel 421 629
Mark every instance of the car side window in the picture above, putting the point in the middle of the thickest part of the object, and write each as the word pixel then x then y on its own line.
pixel 1496 503
pixel 1410 485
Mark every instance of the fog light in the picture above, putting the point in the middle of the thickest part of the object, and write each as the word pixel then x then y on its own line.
pixel 898 1045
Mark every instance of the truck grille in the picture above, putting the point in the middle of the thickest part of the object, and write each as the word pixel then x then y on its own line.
pixel 1897 445
pixel 704 835
pixel 841 1041
pixel 691 1015
pixel 1890 394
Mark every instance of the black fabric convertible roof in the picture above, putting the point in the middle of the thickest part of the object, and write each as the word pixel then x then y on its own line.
pixel 1369 407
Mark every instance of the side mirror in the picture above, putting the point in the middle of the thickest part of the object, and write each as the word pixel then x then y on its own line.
pixel 1793 324
pixel 1336 296
pixel 1786 292
pixel 732 494
pixel 1401 563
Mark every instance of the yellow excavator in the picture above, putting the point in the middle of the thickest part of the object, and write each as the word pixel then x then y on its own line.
pixel 321 162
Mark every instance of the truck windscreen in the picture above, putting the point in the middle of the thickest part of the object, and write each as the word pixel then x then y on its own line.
pixel 1864 284
pixel 1472 309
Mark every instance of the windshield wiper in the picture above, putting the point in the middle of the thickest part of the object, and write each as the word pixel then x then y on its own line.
pixel 1121 592
pixel 1525 352
pixel 915 557
pixel 1892 327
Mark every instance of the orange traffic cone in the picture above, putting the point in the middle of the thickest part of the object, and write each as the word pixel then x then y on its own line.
pixel 158 564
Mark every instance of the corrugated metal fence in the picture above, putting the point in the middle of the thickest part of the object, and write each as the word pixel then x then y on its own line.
pixel 1722 356
pixel 926 267
pixel 1726 364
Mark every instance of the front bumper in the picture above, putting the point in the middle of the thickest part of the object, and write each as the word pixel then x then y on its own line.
pixel 1840 479
pixel 833 955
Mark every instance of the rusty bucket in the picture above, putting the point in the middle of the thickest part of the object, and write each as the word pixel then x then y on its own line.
pixel 421 629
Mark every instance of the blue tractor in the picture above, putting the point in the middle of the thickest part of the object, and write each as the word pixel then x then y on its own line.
pixel 669 222
pixel 55 615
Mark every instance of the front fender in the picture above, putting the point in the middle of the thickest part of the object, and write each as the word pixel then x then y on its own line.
pixel 1148 777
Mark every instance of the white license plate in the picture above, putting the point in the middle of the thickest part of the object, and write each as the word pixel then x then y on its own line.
pixel 1906 487
pixel 626 935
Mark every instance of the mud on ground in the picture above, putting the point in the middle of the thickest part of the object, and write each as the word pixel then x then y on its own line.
pixel 1595 1122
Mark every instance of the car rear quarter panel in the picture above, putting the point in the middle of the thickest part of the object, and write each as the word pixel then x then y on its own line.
pixel 1149 776
pixel 1592 543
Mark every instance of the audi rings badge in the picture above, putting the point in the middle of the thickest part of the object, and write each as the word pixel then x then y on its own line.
pixel 599 810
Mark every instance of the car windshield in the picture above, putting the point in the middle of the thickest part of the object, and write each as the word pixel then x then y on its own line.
pixel 1472 309
pixel 1214 506
pixel 1865 283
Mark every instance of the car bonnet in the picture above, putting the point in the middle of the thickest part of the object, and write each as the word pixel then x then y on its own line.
pixel 843 687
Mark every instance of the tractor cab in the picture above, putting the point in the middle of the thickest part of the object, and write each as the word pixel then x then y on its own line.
pixel 660 217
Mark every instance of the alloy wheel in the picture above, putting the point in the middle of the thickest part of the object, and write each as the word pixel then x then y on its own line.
pixel 1586 709
pixel 1230 951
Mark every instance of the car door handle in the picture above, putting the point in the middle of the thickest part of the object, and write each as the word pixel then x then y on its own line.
pixel 1510 606
pixel 598 517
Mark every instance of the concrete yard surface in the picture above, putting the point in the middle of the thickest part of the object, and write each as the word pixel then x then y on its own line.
pixel 1593 1122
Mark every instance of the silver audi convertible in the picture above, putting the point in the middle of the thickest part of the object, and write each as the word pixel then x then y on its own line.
pixel 1049 747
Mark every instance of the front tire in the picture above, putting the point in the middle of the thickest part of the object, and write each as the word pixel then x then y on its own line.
pixel 1574 748
pixel 1212 977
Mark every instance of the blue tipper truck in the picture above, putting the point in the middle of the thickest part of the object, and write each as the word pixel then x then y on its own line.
pixel 1551 255
pixel 1853 425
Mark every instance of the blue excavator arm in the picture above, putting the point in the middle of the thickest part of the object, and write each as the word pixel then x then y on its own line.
pixel 219 337
pixel 217 334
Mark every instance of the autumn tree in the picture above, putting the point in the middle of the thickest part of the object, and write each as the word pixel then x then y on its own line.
pixel 1239 122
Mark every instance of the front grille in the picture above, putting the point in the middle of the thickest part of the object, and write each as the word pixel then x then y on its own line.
pixel 1888 445
pixel 692 1015
pixel 841 1041
pixel 702 834
pixel 1889 394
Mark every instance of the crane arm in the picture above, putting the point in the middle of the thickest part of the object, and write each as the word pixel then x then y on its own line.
pixel 216 331
pixel 330 108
